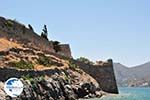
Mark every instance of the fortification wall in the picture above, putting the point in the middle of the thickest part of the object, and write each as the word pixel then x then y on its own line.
pixel 18 32
pixel 65 50
pixel 103 74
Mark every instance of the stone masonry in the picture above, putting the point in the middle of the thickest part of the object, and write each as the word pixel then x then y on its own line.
pixel 13 30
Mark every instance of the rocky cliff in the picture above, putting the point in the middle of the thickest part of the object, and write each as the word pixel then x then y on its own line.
pixel 45 76
pixel 60 85
pixel 47 73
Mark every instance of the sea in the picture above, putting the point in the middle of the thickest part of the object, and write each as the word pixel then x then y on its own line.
pixel 129 93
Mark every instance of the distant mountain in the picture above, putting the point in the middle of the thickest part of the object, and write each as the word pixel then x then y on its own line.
pixel 134 76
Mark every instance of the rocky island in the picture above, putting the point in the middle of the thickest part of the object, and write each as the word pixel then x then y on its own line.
pixel 47 68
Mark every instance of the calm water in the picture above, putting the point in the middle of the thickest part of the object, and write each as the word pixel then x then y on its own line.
pixel 129 94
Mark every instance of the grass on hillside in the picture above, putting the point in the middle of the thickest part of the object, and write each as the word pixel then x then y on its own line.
pixel 22 65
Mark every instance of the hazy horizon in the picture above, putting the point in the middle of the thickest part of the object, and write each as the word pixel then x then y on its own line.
pixel 96 29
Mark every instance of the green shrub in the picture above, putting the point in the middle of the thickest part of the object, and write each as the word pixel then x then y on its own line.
pixel 46 61
pixel 27 77
pixel 41 78
pixel 85 60
pixel 72 65
pixel 22 65
pixel 9 23
pixel 33 79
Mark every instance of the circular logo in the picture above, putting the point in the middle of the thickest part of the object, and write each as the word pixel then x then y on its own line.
pixel 13 87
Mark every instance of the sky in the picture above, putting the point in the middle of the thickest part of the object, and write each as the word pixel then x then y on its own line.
pixel 96 29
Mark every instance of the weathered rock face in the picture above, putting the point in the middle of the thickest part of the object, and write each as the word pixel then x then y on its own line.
pixel 2 93
pixel 50 89
pixel 57 87
pixel 62 80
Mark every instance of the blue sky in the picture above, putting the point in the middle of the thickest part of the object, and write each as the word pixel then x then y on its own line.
pixel 96 29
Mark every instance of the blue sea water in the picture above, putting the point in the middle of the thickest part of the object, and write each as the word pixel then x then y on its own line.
pixel 129 93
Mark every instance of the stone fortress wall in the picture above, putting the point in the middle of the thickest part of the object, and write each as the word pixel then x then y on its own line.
pixel 103 73
pixel 18 32
pixel 65 50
